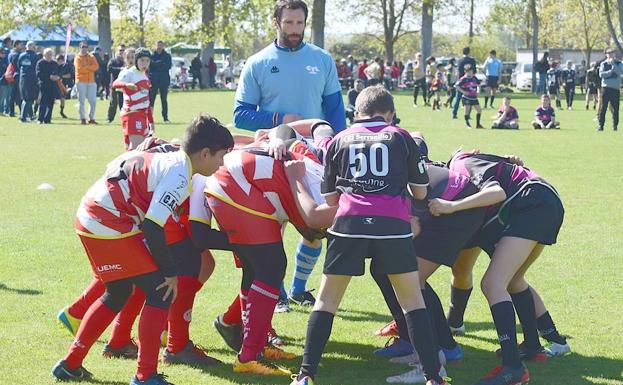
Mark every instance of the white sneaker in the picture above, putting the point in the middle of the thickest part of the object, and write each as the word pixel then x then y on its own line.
pixel 460 331
pixel 283 306
pixel 414 376
pixel 554 349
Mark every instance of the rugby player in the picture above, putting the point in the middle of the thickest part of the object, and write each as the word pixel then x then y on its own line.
pixel 553 82
pixel 376 165
pixel 120 223
pixel 136 114
pixel 507 116
pixel 468 87
pixel 545 115
pixel 567 76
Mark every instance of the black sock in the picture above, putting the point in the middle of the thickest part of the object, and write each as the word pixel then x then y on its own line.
pixel 504 319
pixel 492 99
pixel 318 332
pixel 458 304
pixel 383 282
pixel 546 327
pixel 478 119
pixel 420 331
pixel 486 101
pixel 467 119
pixel 524 305
pixel 438 318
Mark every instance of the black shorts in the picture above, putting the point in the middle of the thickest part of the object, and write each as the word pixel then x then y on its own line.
pixel 552 90
pixel 592 89
pixel 470 101
pixel 492 81
pixel 346 256
pixel 536 213
pixel 442 238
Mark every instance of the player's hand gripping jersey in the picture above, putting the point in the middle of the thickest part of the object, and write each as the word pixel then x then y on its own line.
pixel 370 165
pixel 251 198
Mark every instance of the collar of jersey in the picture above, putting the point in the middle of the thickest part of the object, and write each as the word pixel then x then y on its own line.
pixel 372 122
pixel 288 49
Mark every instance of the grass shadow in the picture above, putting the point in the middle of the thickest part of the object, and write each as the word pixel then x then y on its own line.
pixel 20 291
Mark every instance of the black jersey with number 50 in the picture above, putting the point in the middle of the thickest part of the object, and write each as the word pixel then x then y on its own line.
pixel 370 165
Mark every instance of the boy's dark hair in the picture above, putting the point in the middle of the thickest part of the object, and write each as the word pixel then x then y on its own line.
pixel 466 51
pixel 492 52
pixel 374 100
pixel 16 43
pixel 280 5
pixel 206 131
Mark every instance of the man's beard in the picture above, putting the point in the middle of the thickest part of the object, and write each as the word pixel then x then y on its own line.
pixel 287 42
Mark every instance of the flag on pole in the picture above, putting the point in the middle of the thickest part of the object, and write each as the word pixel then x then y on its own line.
pixel 67 40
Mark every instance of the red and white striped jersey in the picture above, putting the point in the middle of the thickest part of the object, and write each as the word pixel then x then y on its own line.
pixel 255 183
pixel 134 100
pixel 136 185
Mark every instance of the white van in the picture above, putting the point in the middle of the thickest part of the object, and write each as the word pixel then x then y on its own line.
pixel 522 77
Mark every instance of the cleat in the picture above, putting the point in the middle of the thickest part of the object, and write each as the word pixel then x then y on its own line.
pixel 283 306
pixel 192 354
pixel 305 298
pixel 155 379
pixel 413 376
pixel 529 356
pixel 164 337
pixel 453 355
pixel 389 330
pixel 557 350
pixel 260 367
pixel 231 334
pixel 395 347
pixel 460 331
pixel 274 339
pixel 305 380
pixel 129 350
pixel 479 126
pixel 70 322
pixel 503 375
pixel 272 352
pixel 62 372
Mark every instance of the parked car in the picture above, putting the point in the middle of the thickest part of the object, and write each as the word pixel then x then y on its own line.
pixel 522 77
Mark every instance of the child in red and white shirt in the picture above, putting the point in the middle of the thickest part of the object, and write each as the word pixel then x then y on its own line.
pixel 136 115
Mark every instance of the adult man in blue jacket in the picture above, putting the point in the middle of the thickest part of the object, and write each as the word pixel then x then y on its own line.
pixel 28 80
pixel 287 81
pixel 160 78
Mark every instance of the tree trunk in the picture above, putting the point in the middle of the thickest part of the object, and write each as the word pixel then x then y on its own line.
pixel 535 42
pixel 103 26
pixel 318 16
pixel 389 22
pixel 587 40
pixel 427 29
pixel 620 8
pixel 207 19
pixel 141 23
pixel 613 32
pixel 471 21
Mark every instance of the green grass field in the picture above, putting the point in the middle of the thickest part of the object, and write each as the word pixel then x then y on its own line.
pixel 43 266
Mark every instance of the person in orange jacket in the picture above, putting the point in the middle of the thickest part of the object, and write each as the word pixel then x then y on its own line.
pixel 86 66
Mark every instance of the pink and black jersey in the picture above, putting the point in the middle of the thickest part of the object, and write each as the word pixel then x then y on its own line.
pixel 545 114
pixel 443 183
pixel 511 114
pixel 469 84
pixel 370 165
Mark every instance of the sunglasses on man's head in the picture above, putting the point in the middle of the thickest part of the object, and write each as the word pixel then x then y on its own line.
pixel 84 46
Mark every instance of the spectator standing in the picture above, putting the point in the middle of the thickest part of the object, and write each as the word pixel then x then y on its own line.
pixel 465 60
pixel 387 76
pixel 266 98
pixel 451 78
pixel 228 70
pixel 86 67
pixel 114 67
pixel 211 72
pixel 493 72
pixel 5 87
pixel 160 78
pixel 395 75
pixel 15 97
pixel 361 72
pixel 26 64
pixel 610 72
pixel 419 79
pixel 195 70
pixel 6 47
pixel 66 73
pixel 541 67
pixel 568 76
pixel 97 52
pixel 344 74
pixel 47 75
pixel 373 72
pixel 431 70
